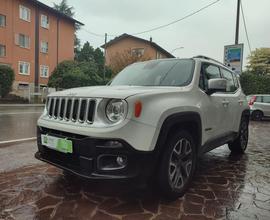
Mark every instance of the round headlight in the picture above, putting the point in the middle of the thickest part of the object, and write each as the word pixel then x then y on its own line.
pixel 115 110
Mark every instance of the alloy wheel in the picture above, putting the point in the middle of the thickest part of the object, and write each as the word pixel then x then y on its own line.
pixel 180 164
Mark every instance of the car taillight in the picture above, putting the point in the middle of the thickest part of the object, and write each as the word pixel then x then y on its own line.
pixel 252 100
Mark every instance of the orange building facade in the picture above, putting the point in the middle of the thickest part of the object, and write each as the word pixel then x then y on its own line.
pixel 34 38
pixel 135 46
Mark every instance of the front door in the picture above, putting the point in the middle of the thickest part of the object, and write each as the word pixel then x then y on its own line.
pixel 216 105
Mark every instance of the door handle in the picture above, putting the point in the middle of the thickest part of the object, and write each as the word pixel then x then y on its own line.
pixel 225 103
pixel 240 101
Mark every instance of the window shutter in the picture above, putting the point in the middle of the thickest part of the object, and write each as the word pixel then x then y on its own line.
pixel 17 39
pixel 27 42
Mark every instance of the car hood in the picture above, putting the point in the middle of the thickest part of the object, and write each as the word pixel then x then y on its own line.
pixel 119 92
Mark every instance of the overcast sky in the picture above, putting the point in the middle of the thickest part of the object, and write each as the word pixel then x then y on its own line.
pixel 204 33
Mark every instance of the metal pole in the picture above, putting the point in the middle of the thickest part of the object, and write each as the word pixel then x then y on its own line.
pixel 104 67
pixel 237 22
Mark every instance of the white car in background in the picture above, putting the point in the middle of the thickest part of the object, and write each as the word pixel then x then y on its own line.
pixel 259 106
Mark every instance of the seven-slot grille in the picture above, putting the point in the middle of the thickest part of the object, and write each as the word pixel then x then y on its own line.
pixel 71 109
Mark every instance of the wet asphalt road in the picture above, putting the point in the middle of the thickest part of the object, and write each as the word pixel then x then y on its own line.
pixel 18 122
pixel 224 187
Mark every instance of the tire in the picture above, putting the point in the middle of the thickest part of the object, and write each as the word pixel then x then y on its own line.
pixel 239 145
pixel 257 115
pixel 177 165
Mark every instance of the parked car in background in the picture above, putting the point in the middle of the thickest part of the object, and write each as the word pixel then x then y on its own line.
pixel 259 106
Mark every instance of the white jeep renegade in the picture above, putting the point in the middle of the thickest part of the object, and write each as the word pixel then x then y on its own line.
pixel 152 121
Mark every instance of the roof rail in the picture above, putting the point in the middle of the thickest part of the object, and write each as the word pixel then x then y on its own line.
pixel 208 58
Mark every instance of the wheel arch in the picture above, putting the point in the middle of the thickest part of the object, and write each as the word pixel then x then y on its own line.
pixel 190 121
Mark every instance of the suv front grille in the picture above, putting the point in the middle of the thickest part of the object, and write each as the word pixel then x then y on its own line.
pixel 71 109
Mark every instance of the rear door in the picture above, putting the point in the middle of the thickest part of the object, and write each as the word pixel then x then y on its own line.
pixel 266 105
pixel 235 100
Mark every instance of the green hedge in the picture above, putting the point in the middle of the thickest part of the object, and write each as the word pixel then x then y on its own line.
pixel 70 74
pixel 6 80
pixel 255 84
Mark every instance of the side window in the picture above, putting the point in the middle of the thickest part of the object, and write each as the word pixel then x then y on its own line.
pixel 208 71
pixel 266 99
pixel 230 82
pixel 259 99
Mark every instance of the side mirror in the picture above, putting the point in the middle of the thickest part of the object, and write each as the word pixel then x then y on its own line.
pixel 216 85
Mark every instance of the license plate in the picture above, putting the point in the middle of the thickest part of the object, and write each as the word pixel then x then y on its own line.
pixel 55 143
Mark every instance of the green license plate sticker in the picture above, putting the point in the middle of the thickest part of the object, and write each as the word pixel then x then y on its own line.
pixel 59 144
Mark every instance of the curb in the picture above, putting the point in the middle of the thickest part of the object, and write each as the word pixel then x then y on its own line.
pixel 12 142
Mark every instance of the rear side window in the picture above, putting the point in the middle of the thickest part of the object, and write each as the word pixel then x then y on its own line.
pixel 266 99
pixel 230 81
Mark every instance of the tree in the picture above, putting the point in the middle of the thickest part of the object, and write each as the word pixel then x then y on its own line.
pixel 6 80
pixel 259 61
pixel 64 8
pixel 100 59
pixel 121 60
pixel 87 53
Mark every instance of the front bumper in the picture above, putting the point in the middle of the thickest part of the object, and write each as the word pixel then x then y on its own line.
pixel 87 151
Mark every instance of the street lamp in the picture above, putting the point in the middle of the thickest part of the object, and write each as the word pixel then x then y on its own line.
pixel 178 48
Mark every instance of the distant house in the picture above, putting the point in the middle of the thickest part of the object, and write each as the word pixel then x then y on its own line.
pixel 34 38
pixel 135 46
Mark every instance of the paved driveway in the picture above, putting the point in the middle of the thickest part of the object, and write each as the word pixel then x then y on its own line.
pixel 225 187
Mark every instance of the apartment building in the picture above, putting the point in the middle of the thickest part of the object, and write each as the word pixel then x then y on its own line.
pixel 34 38
pixel 135 46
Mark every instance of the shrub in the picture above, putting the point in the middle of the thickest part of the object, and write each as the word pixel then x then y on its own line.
pixel 255 84
pixel 6 80
pixel 70 74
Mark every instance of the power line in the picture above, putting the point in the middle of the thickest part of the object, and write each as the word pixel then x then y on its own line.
pixel 96 34
pixel 244 21
pixel 178 20
pixel 158 27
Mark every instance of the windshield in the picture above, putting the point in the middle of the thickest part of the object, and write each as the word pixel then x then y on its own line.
pixel 156 73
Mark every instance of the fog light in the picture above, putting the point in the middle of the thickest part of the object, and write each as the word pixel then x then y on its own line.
pixel 121 161
pixel 111 162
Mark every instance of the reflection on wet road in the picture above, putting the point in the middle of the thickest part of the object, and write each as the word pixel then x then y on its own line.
pixel 225 187
pixel 18 122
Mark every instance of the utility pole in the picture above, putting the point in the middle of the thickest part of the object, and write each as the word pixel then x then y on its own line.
pixel 105 47
pixel 237 22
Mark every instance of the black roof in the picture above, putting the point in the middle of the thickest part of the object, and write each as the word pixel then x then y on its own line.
pixel 159 48
pixel 54 11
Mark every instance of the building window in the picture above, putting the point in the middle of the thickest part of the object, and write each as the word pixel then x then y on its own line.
pixel 44 21
pixel 23 86
pixel 2 20
pixel 2 50
pixel 44 71
pixel 24 68
pixel 137 52
pixel 25 13
pixel 159 55
pixel 22 40
pixel 44 47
